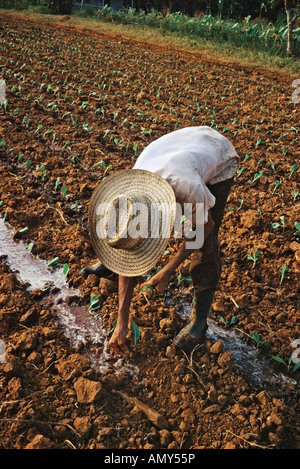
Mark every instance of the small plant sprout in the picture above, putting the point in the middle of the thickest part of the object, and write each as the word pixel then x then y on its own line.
pixel 64 192
pixel 287 364
pixel 66 270
pixel 293 170
pixel 260 142
pixel 53 262
pixel 276 185
pixel 23 230
pixel 284 270
pixel 99 163
pixel 254 258
pixel 232 209
pixel 94 303
pixel 240 171
pixel 76 206
pixel 297 226
pixel 241 202
pixel 181 278
pixel 257 176
pixel 278 225
pixel 258 341
pixel 232 321
pixel 135 331
pixel 273 166
pixel 41 169
pixel 57 184
pixel 30 247
pixel 295 194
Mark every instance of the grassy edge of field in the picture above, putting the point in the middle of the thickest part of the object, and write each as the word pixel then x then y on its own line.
pixel 223 52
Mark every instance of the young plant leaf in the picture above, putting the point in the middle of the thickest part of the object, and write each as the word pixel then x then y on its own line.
pixel 66 270
pixel 53 262
pixel 30 247
pixel 113 327
pixel 278 359
pixel 136 333
pixel 94 303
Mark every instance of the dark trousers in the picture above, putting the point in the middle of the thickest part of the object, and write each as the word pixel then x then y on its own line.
pixel 205 268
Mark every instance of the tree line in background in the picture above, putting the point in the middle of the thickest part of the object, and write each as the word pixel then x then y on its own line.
pixel 234 9
pixel 267 10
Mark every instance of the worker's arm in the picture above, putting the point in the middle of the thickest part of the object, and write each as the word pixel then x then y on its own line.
pixel 160 280
pixel 117 342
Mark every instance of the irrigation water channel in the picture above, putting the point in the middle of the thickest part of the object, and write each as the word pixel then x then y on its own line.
pixel 81 326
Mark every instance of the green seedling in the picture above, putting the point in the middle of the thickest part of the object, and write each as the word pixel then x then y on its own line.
pixel 53 262
pixel 297 226
pixel 2 143
pixel 233 209
pixel 136 333
pixel 284 270
pixel 94 303
pixel 295 195
pixel 241 201
pixel 108 168
pixel 148 288
pixel 257 176
pixel 181 278
pixel 276 185
pixel 76 207
pixel 23 230
pixel 260 142
pixel 44 172
pixel 232 321
pixel 30 247
pixel 294 169
pixel 99 163
pixel 287 364
pixel 254 258
pixel 278 225
pixel 135 330
pixel 57 184
pixel 258 341
pixel 64 191
pixel 273 166
pixel 66 270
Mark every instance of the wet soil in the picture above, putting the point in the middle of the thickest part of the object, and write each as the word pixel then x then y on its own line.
pixel 81 105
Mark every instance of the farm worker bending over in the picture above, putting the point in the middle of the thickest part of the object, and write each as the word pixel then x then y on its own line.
pixel 132 214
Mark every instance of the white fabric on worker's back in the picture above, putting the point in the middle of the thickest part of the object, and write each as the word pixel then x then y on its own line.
pixel 189 159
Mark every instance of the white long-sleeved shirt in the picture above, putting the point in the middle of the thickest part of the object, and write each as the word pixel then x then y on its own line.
pixel 189 159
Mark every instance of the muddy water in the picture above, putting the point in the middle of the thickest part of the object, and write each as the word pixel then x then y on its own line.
pixel 82 327
pixel 256 367
pixel 85 329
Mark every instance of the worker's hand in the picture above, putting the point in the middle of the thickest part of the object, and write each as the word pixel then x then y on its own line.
pixel 159 281
pixel 118 341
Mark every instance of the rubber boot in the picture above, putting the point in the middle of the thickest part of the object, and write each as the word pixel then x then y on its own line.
pixel 194 333
pixel 97 269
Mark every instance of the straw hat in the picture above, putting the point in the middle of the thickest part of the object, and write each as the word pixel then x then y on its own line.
pixel 131 217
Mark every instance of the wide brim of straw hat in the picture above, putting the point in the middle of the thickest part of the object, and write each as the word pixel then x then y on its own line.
pixel 132 263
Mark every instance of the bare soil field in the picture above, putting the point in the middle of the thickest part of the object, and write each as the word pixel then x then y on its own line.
pixel 81 105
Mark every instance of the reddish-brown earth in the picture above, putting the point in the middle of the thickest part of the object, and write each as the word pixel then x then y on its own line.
pixel 77 98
